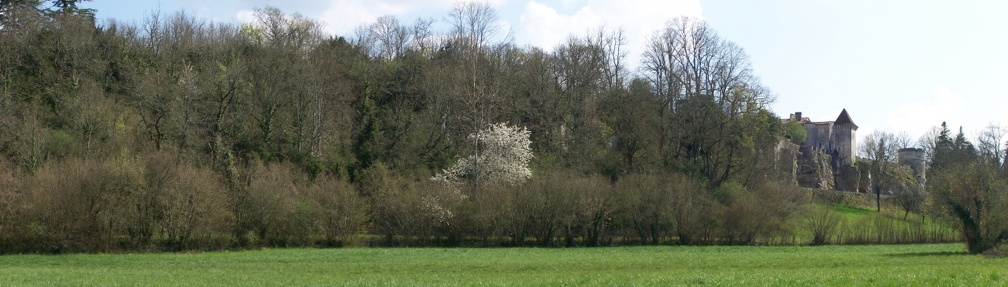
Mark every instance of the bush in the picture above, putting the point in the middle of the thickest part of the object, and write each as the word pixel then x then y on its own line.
pixel 768 210
pixel 647 207
pixel 408 213
pixel 81 204
pixel 822 223
pixel 587 206
pixel 694 210
pixel 540 205
pixel 342 213
pixel 195 210
pixel 271 208
pixel 10 201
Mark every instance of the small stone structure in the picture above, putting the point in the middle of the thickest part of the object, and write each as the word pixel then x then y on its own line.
pixel 914 158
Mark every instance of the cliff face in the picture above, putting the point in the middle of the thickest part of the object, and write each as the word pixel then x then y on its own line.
pixel 787 162
pixel 848 178
pixel 815 170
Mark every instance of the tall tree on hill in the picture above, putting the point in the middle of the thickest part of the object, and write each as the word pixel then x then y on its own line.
pixel 633 116
pixel 707 90
pixel 473 26
pixel 991 145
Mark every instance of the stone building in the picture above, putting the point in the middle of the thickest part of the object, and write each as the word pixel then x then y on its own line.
pixel 837 138
pixel 915 159
pixel 826 159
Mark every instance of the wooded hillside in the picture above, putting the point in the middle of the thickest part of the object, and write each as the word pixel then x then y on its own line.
pixel 178 133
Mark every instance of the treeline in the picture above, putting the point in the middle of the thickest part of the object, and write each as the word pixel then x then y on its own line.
pixel 279 90
pixel 158 203
pixel 176 134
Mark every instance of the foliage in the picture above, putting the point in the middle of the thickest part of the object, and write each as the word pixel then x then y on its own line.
pixel 795 131
pixel 975 195
pixel 181 134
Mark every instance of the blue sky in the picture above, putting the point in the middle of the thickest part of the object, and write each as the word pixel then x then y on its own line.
pixel 895 65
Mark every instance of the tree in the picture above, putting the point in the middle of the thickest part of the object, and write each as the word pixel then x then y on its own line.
pixel 578 68
pixel 906 192
pixel 795 131
pixel 707 91
pixel 13 13
pixel 975 195
pixel 927 142
pixel 990 144
pixel 70 7
pixel 633 117
pixel 949 152
pixel 504 159
pixel 881 150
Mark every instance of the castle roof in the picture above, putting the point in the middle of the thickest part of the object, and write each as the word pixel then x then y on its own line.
pixel 844 119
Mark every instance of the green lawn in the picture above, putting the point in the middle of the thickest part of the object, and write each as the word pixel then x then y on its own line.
pixel 851 212
pixel 895 265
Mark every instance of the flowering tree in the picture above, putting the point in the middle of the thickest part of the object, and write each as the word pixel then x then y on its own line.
pixel 502 155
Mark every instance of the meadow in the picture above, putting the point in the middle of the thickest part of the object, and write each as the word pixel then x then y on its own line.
pixel 851 265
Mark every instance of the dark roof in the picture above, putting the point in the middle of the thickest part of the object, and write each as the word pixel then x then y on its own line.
pixel 844 119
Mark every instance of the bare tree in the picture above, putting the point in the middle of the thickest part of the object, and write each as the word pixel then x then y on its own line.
pixel 423 37
pixel 473 23
pixel 990 144
pixel 611 46
pixel 902 140
pixel 391 38
pixel 282 30
pixel 928 141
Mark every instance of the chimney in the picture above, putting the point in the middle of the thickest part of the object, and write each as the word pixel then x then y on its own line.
pixel 797 116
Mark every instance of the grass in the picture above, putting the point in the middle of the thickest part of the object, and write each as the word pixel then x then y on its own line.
pixel 851 212
pixel 864 225
pixel 934 264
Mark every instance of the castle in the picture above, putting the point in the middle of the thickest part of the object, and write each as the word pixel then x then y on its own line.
pixel 838 137
pixel 827 159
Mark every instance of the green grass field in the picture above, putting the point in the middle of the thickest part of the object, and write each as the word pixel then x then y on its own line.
pixel 896 265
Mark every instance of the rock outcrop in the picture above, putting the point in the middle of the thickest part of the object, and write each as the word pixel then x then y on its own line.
pixel 815 169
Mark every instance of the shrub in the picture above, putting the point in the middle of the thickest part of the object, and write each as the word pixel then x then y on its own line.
pixel 409 213
pixel 540 204
pixel 822 223
pixel 587 206
pixel 11 224
pixel 195 211
pixel 767 210
pixel 647 207
pixel 272 208
pixel 694 210
pixel 81 204
pixel 342 212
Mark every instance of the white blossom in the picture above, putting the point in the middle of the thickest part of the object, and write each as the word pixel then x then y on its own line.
pixel 503 154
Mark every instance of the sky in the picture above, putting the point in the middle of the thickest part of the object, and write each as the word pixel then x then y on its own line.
pixel 895 65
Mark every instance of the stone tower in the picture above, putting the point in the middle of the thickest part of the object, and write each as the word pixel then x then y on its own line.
pixel 914 158
pixel 845 138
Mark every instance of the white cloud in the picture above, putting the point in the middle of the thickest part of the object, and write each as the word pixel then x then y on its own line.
pixel 916 117
pixel 542 26
pixel 342 16
pixel 245 16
